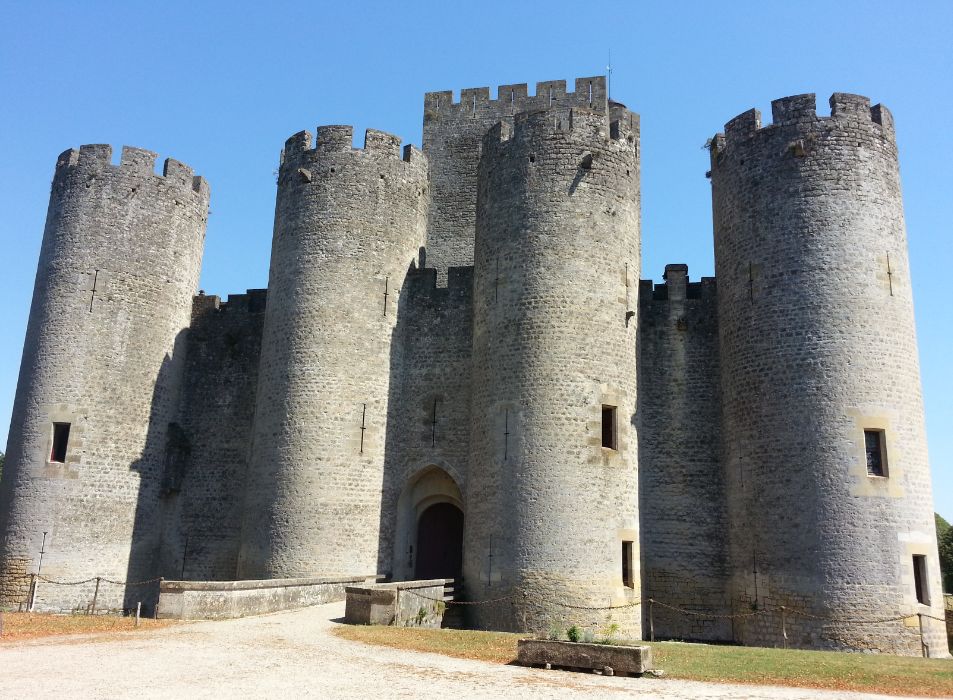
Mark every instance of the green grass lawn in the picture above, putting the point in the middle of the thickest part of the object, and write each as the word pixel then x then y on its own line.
pixel 892 675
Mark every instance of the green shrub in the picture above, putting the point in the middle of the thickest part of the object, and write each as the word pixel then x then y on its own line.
pixel 944 543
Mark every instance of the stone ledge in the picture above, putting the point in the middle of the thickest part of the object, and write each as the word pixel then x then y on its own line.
pixel 255 584
pixel 220 600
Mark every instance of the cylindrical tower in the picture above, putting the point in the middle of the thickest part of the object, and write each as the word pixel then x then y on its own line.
pixel 552 491
pixel 100 375
pixel 825 447
pixel 348 225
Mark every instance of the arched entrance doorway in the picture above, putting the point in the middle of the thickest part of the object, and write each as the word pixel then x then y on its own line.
pixel 439 542
pixel 428 540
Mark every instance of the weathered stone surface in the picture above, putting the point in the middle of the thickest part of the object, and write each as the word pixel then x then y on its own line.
pixel 218 600
pixel 203 496
pixel 619 659
pixel 445 330
pixel 817 344
pixel 548 506
pixel 682 506
pixel 343 244
pixel 104 352
pixel 402 604
pixel 453 141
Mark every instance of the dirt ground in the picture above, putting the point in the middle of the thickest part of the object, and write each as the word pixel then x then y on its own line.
pixel 293 655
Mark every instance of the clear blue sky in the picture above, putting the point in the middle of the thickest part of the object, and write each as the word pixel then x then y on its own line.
pixel 221 85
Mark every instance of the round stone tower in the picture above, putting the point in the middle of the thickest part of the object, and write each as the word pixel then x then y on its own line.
pixel 100 375
pixel 552 491
pixel 348 225
pixel 825 447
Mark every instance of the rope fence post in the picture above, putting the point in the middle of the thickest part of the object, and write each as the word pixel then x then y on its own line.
pixel 138 611
pixel 155 610
pixel 651 619
pixel 33 583
pixel 95 596
pixel 923 645
pixel 784 628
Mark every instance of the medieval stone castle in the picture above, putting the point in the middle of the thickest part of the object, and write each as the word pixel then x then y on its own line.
pixel 457 371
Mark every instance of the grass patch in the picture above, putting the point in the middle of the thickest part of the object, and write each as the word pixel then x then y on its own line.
pixel 890 675
pixel 21 626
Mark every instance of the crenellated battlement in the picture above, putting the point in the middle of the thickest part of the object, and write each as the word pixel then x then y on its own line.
pixel 589 92
pixel 510 99
pixel 580 121
pixel 676 286
pixel 423 280
pixel 135 161
pixel 252 301
pixel 802 110
pixel 338 138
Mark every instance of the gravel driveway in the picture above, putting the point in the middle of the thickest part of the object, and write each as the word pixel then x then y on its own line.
pixel 293 655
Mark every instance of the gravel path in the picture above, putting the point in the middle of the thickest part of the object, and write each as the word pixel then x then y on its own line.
pixel 293 655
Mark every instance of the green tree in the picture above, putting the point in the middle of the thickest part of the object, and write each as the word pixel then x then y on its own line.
pixel 944 543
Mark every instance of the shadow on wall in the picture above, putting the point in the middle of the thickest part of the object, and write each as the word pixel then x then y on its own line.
pixel 427 427
pixel 397 405
pixel 161 469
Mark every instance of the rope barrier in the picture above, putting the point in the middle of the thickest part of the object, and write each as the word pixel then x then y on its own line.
pixel 930 617
pixel 132 583
pixel 66 583
pixel 722 616
pixel 459 602
pixel 90 580
pixel 682 611
pixel 604 607
pixel 826 618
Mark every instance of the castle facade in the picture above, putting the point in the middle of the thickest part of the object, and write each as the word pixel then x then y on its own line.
pixel 456 371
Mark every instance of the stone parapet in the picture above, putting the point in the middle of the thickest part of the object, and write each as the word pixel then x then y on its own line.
pixel 218 600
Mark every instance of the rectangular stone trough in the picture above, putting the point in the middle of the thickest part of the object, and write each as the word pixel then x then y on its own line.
pixel 611 659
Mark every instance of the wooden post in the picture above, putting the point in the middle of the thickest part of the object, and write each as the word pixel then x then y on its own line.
pixel 33 582
pixel 155 611
pixel 923 646
pixel 138 611
pixel 651 620
pixel 784 628
pixel 95 596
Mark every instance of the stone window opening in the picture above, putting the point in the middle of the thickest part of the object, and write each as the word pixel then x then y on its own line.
pixel 628 570
pixel 609 431
pixel 60 442
pixel 920 578
pixel 875 447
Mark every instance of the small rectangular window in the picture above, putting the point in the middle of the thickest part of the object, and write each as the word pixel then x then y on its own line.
pixel 920 578
pixel 876 448
pixel 628 570
pixel 60 441
pixel 609 427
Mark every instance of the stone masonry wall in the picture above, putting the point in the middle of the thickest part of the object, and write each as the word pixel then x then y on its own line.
pixel 453 141
pixel 203 487
pixel 429 412
pixel 118 267
pixel 349 223
pixel 818 344
pixel 682 505
pixel 557 261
